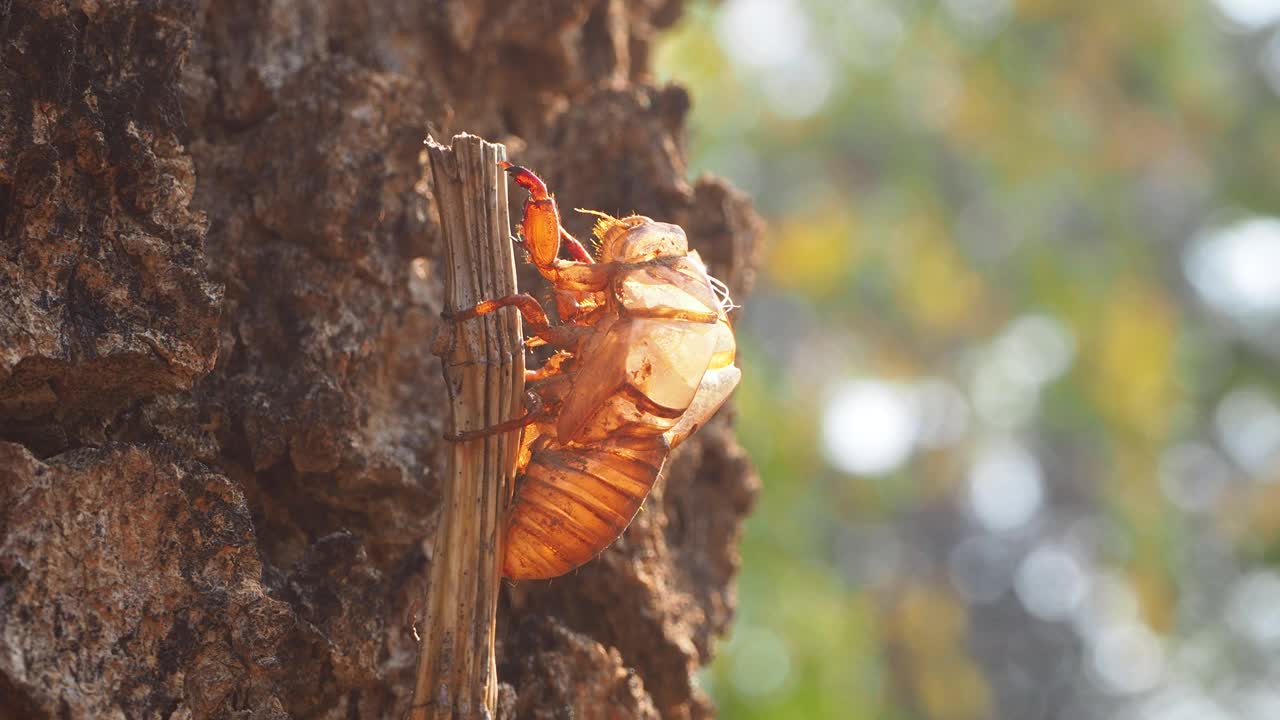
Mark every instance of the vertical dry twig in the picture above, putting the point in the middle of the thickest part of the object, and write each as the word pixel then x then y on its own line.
pixel 484 372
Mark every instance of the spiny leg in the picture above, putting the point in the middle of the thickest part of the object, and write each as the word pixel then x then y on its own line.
pixel 577 251
pixel 535 318
pixel 553 366
pixel 576 306
pixel 532 413
pixel 530 309
pixel 540 224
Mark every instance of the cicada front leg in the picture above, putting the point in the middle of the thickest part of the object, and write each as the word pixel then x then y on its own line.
pixel 540 226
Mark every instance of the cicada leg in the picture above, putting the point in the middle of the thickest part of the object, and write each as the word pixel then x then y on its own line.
pixel 530 309
pixel 540 225
pixel 532 414
pixel 546 388
pixel 577 251
pixel 553 367
pixel 578 307
pixel 535 319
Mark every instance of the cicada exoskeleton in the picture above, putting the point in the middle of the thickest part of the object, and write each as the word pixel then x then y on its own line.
pixel 645 356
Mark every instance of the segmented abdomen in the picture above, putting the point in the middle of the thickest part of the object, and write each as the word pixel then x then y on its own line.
pixel 575 501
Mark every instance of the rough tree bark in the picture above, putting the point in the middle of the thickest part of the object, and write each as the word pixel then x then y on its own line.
pixel 219 418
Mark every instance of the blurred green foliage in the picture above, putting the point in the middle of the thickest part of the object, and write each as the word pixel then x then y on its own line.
pixel 1010 378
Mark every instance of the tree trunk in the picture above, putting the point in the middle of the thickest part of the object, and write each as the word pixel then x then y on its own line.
pixel 220 421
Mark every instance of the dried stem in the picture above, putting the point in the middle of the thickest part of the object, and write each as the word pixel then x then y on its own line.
pixel 484 372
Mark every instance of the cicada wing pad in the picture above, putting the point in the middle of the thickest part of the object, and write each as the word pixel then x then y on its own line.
pixel 717 385
pixel 641 370
pixel 675 287
pixel 637 379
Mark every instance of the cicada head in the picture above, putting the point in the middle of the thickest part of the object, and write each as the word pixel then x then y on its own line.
pixel 636 238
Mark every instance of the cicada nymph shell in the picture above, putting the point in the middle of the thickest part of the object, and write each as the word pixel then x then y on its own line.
pixel 646 357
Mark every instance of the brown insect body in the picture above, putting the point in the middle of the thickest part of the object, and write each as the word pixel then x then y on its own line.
pixel 646 357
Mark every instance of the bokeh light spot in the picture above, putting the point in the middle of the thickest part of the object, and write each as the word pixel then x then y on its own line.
pixel 1250 14
pixel 1234 268
pixel 1128 658
pixel 1051 583
pixel 1255 608
pixel 1034 350
pixel 798 87
pixel 869 427
pixel 1111 599
pixel 762 33
pixel 1248 422
pixel 1005 487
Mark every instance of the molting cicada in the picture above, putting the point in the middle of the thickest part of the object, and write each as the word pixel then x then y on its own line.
pixel 645 355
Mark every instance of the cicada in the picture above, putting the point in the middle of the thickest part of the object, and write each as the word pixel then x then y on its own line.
pixel 644 356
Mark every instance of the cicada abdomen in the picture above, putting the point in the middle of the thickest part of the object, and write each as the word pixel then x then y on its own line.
pixel 574 501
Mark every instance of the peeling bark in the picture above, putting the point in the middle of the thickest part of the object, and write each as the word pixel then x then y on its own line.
pixel 220 422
